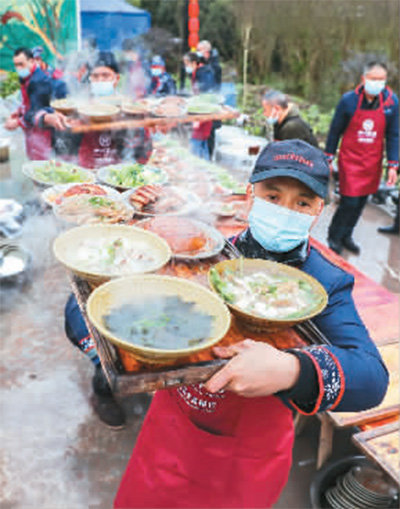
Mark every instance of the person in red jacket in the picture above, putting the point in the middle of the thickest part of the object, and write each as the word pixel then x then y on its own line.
pixel 203 80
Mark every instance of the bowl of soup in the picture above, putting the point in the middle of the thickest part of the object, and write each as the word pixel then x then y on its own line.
pixel 98 253
pixel 158 319
pixel 266 295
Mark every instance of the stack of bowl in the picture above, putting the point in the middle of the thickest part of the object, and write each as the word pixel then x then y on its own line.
pixel 364 487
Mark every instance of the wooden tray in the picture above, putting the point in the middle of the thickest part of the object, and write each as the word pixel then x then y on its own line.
pixel 390 405
pixel 382 445
pixel 80 126
pixel 127 375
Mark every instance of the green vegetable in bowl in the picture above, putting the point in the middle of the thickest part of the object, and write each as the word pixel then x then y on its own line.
pixel 220 285
pixel 134 175
pixel 59 173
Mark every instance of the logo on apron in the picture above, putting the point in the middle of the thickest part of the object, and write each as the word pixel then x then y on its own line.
pixel 104 140
pixel 367 134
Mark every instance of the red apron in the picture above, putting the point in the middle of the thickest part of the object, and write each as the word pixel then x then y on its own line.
pixel 37 143
pixel 361 151
pixel 198 450
pixel 98 149
pixel 37 140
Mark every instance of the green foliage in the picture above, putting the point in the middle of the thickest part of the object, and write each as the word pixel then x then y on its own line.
pixel 9 85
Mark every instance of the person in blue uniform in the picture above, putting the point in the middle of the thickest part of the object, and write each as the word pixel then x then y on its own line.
pixel 161 83
pixel 35 115
pixel 228 443
pixel 367 122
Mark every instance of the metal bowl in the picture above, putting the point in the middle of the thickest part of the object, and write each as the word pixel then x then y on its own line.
pixel 121 291
pixel 14 262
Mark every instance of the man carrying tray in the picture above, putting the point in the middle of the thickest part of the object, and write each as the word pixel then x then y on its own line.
pixel 102 148
pixel 228 443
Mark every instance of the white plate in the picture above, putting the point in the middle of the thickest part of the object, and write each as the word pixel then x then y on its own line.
pixel 50 195
pixel 210 232
pixel 192 202
pixel 63 211
pixel 155 175
pixel 30 168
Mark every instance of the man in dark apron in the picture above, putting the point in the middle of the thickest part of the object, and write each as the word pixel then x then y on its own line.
pixel 366 119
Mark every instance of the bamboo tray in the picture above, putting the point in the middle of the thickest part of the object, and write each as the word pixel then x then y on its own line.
pixel 127 375
pixel 80 126
pixel 383 446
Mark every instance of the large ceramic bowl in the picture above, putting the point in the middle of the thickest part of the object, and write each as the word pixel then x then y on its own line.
pixel 247 266
pixel 99 112
pixel 119 292
pixel 69 249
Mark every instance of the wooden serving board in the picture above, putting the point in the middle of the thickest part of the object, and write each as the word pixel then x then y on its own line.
pixel 128 376
pixel 382 445
pixel 390 406
pixel 80 126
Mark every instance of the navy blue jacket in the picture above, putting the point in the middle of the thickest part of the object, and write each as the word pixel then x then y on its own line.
pixel 37 92
pixel 347 376
pixel 345 111
pixel 204 80
pixel 164 85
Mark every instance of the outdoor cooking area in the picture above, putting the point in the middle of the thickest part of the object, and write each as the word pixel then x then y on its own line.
pixel 199 286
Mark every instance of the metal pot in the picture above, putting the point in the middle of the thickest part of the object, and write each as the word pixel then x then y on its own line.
pixel 14 263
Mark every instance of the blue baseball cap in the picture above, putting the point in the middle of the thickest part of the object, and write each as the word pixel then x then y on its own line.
pixel 157 60
pixel 293 158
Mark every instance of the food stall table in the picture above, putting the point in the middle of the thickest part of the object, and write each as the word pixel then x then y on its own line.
pixel 381 444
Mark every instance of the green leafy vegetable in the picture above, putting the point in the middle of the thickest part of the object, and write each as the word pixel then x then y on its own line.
pixel 220 285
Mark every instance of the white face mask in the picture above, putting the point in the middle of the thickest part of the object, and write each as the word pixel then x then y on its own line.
pixel 102 88
pixel 374 87
pixel 278 229
pixel 273 118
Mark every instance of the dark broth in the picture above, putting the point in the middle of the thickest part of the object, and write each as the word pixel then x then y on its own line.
pixel 165 322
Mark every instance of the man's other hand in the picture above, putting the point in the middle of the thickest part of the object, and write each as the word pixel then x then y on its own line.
pixel 56 120
pixel 11 123
pixel 391 177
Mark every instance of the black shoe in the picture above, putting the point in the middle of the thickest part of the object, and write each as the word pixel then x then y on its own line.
pixel 390 230
pixel 335 246
pixel 100 384
pixel 108 411
pixel 351 246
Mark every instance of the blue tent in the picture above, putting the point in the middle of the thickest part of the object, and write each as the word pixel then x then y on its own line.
pixel 109 22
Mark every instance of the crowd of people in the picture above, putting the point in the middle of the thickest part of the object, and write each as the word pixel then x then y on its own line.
pixel 239 453
pixel 100 77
